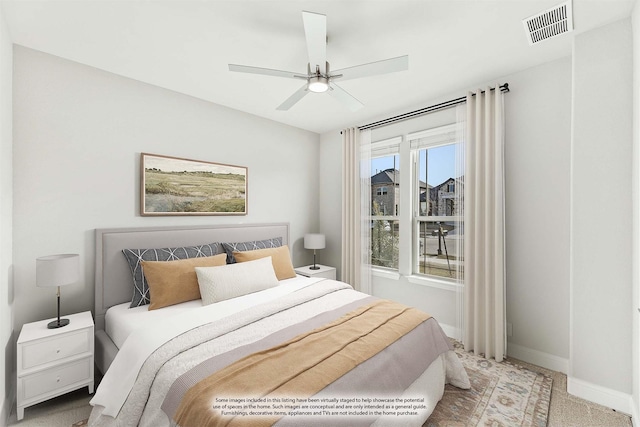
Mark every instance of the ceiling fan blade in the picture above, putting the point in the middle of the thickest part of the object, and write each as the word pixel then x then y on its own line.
pixel 264 71
pixel 401 63
pixel 293 99
pixel 346 98
pixel 315 30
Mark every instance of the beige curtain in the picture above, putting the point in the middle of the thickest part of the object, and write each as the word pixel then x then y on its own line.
pixel 356 200
pixel 484 275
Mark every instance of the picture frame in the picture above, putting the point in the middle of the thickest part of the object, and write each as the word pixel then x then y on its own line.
pixel 171 186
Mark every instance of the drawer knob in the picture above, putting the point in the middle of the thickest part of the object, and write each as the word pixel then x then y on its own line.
pixel 58 379
pixel 57 351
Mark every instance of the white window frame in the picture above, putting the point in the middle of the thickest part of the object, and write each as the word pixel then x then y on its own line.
pixel 407 146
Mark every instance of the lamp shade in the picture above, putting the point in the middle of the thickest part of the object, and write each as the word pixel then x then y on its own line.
pixel 314 241
pixel 57 270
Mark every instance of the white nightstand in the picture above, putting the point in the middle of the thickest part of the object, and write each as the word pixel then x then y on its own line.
pixel 323 271
pixel 52 362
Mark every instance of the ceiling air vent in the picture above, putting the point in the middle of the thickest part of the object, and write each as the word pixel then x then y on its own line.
pixel 550 23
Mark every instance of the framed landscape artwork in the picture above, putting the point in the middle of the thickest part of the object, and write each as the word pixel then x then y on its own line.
pixel 175 186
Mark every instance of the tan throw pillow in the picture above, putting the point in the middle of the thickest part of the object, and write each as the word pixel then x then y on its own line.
pixel 280 257
pixel 173 282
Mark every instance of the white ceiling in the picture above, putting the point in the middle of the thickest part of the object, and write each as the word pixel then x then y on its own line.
pixel 185 46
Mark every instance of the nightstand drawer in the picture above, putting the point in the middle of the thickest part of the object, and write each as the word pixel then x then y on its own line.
pixel 56 348
pixel 55 379
pixel 331 274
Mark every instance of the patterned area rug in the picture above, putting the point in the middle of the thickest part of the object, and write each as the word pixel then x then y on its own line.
pixel 501 395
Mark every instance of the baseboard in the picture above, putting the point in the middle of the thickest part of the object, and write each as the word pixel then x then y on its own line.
pixel 621 402
pixel 539 358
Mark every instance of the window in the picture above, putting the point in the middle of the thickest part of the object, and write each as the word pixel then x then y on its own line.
pixel 385 204
pixel 439 217
pixel 417 210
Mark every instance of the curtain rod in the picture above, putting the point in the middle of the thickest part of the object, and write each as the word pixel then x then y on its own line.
pixel 441 106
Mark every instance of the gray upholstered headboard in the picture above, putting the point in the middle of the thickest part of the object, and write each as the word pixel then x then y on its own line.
pixel 113 276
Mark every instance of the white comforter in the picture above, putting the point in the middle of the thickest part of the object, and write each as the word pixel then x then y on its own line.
pixel 133 389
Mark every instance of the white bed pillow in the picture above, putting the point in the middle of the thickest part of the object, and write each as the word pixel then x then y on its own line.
pixel 234 280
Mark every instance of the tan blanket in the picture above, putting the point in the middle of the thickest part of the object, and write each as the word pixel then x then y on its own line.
pixel 300 367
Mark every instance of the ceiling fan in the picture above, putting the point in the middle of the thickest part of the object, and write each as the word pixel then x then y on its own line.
pixel 319 78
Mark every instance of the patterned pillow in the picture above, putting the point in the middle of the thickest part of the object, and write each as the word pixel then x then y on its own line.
pixel 134 256
pixel 229 248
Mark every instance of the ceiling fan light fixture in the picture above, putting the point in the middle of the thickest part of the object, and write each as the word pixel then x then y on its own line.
pixel 319 78
pixel 318 84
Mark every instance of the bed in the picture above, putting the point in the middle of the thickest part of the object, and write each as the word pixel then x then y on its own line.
pixel 298 351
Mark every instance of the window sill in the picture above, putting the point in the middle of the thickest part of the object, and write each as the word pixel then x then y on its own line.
pixel 387 274
pixel 434 283
pixel 418 280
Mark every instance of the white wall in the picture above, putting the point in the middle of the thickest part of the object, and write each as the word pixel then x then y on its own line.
pixel 635 237
pixel 601 220
pixel 538 134
pixel 6 191
pixel 330 199
pixel 537 150
pixel 78 132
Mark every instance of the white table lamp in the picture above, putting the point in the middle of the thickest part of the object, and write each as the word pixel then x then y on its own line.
pixel 57 270
pixel 314 241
